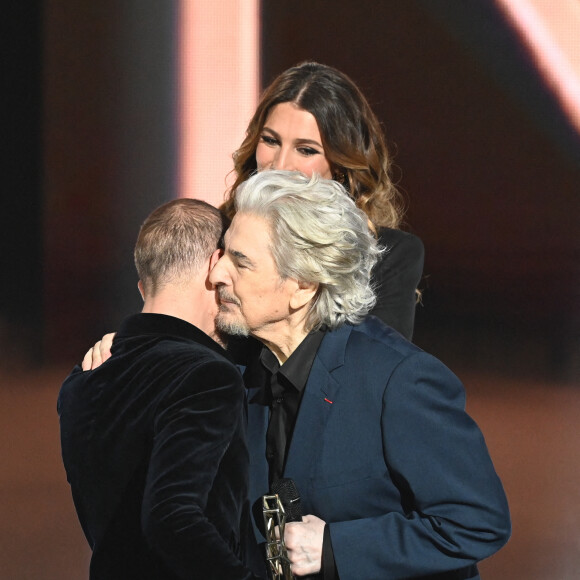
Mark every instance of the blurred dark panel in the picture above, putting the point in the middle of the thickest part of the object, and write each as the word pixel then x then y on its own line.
pixel 20 163
pixel 110 140
pixel 490 165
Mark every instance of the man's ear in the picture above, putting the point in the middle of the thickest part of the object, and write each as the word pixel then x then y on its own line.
pixel 214 258
pixel 212 262
pixel 141 291
pixel 304 293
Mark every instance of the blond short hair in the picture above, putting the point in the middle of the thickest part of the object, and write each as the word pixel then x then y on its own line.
pixel 176 240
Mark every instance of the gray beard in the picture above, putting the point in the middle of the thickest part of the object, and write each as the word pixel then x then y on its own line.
pixel 232 328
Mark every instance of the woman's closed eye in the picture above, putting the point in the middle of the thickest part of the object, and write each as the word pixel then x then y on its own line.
pixel 269 140
pixel 308 151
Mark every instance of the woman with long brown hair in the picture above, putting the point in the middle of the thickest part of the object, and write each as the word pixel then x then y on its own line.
pixel 313 118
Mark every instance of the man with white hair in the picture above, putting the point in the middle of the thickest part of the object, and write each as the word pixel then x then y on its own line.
pixel 394 476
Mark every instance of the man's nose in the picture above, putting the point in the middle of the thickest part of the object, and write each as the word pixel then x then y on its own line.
pixel 217 274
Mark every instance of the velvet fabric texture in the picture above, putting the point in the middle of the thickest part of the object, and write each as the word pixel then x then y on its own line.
pixel 154 446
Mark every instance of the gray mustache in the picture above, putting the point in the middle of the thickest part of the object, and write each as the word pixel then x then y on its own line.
pixel 223 295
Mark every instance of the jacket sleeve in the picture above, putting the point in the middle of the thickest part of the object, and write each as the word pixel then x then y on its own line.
pixel 397 276
pixel 194 426
pixel 455 511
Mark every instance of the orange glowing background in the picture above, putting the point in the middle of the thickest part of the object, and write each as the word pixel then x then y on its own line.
pixel 219 80
pixel 551 30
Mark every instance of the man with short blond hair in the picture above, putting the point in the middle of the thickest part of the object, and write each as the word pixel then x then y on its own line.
pixel 153 441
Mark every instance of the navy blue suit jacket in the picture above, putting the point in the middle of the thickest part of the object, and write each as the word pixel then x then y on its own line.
pixel 384 452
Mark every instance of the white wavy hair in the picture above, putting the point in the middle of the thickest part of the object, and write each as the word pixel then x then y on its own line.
pixel 317 235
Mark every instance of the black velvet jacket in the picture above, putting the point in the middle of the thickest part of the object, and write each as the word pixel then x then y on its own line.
pixel 154 447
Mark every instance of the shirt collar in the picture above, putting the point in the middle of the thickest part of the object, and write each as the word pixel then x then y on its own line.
pixel 296 368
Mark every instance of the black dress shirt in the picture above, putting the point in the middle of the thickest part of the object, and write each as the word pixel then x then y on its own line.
pixel 283 388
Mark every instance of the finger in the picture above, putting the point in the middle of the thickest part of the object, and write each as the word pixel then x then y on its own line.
pixel 87 360
pixel 96 355
pixel 293 534
pixel 304 569
pixel 105 345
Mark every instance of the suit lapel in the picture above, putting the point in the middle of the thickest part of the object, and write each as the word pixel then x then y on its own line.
pixel 320 393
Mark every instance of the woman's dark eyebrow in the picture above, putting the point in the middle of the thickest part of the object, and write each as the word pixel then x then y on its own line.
pixel 301 141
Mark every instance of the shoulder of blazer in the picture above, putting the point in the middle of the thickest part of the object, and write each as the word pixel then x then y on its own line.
pixel 399 239
pixel 372 334
pixel 403 251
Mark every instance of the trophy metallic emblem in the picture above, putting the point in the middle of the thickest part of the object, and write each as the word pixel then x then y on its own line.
pixel 276 554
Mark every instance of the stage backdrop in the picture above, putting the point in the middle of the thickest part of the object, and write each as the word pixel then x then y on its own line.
pixel 486 154
pixel 96 127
